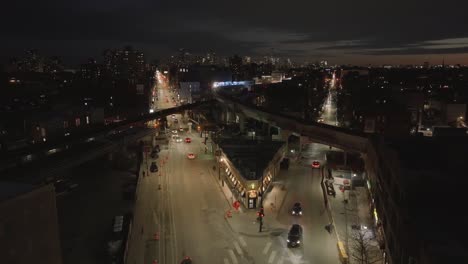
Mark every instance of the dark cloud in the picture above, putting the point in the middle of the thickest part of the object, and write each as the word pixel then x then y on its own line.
pixel 296 28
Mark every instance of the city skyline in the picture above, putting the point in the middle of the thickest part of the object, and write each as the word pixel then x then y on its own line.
pixel 411 33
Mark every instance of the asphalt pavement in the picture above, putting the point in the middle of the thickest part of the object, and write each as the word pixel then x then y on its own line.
pixel 182 211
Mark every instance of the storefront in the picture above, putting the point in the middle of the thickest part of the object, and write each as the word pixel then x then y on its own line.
pixel 252 199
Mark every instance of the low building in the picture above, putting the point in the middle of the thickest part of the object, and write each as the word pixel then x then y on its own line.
pixel 250 166
pixel 28 224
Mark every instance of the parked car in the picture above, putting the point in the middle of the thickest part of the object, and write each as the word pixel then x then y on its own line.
pixel 154 154
pixel 63 186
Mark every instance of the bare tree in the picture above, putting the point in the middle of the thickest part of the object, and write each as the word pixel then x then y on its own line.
pixel 364 249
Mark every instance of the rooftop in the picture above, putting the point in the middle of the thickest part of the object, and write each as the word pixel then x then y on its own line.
pixel 9 190
pixel 250 157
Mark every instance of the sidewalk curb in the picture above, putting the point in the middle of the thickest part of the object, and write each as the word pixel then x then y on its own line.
pixel 328 207
pixel 220 188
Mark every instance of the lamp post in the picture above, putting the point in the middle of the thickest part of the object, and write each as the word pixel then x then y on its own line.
pixel 219 171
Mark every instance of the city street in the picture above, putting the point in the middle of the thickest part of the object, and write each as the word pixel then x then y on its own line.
pixel 303 183
pixel 180 210
pixel 329 116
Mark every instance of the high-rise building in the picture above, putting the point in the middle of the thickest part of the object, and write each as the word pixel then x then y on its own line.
pixel 126 64
pixel 235 64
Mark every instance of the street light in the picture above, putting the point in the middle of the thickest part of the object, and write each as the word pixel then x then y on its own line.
pixel 219 171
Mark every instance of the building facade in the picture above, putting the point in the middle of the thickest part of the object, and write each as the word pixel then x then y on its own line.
pixel 28 225
pixel 249 167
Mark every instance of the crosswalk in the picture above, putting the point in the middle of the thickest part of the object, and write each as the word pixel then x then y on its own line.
pixel 279 254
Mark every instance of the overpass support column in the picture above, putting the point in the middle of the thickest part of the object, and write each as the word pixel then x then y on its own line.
pixel 227 116
pixel 275 133
pixel 266 130
pixel 241 120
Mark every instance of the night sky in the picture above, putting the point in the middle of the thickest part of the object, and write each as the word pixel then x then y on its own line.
pixel 341 31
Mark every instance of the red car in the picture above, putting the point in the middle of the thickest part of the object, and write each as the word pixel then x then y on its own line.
pixel 191 156
pixel 315 164
pixel 188 140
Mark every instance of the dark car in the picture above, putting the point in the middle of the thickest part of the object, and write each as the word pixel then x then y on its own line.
pixel 63 186
pixel 154 167
pixel 154 154
pixel 297 209
pixel 295 236
pixel 157 149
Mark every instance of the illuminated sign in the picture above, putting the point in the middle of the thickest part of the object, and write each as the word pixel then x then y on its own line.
pixel 222 84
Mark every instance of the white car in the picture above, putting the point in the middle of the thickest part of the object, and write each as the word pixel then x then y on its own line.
pixel 174 131
pixel 191 156
pixel 178 139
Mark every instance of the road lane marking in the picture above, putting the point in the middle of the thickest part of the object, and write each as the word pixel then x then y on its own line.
pixel 242 240
pixel 282 241
pixel 280 260
pixel 233 257
pixel 226 261
pixel 238 249
pixel 291 255
pixel 267 247
pixel 272 256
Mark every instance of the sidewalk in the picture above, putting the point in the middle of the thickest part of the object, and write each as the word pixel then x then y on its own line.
pixel 352 222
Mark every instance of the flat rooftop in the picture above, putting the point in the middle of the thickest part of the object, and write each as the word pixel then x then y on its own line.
pixel 250 157
pixel 10 190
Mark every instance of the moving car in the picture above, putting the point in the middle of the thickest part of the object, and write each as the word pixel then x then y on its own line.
pixel 173 116
pixel 177 139
pixel 297 209
pixel 295 236
pixel 181 129
pixel 154 167
pixel 316 164
pixel 174 131
pixel 191 156
pixel 154 154
pixel 188 140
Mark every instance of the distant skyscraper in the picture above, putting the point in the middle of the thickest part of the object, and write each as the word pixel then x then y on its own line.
pixel 125 64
